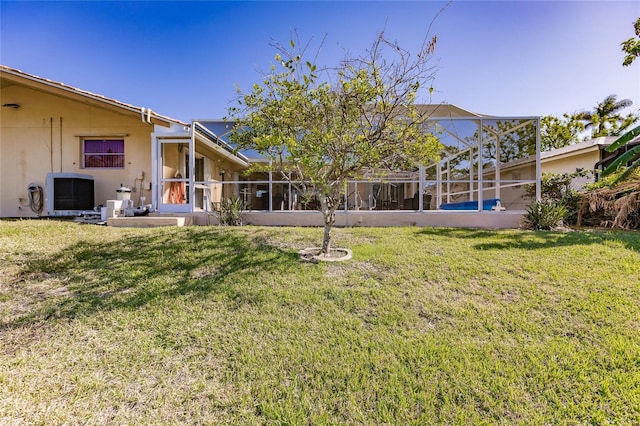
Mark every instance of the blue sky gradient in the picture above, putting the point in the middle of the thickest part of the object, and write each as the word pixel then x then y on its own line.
pixel 184 59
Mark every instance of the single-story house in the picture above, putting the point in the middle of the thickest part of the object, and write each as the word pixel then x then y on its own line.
pixel 588 156
pixel 64 150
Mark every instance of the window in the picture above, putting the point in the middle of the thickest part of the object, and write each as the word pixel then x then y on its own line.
pixel 103 153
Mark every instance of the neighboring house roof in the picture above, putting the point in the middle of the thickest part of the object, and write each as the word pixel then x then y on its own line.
pixel 570 150
pixel 555 154
pixel 596 144
pixel 591 145
pixel 11 76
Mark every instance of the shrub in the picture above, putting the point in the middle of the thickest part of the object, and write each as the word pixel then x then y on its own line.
pixel 231 211
pixel 572 202
pixel 545 215
pixel 612 180
pixel 556 189
pixel 553 186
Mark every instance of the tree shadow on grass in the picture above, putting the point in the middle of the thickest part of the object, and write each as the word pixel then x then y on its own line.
pixel 88 277
pixel 533 240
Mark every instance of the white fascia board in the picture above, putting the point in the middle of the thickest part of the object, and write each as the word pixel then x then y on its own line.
pixel 566 154
pixel 168 137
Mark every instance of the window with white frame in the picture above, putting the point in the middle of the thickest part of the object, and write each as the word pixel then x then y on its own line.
pixel 103 153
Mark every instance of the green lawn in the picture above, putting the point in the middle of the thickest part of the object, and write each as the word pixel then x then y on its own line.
pixel 209 325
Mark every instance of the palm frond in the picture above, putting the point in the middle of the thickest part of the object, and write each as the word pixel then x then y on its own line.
pixel 623 159
pixel 622 140
pixel 628 171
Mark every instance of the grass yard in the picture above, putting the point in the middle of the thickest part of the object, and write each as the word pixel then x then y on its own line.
pixel 209 325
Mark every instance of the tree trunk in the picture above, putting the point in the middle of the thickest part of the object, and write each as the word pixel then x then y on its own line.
pixel 328 209
pixel 326 241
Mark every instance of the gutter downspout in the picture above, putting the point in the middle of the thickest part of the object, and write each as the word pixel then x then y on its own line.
pixel 51 143
pixel 145 115
pixel 154 171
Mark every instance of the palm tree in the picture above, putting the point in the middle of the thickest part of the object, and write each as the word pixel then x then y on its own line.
pixel 632 46
pixel 605 119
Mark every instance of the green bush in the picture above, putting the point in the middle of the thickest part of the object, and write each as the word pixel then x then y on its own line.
pixel 553 186
pixel 572 202
pixel 556 189
pixel 612 180
pixel 545 215
pixel 231 211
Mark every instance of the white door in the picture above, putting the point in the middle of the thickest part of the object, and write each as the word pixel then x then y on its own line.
pixel 174 188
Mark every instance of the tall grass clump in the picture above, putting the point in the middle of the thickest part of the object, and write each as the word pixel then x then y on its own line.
pixel 544 215
pixel 231 211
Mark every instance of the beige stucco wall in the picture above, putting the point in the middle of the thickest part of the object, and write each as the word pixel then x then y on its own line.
pixel 568 164
pixel 44 135
pixel 514 197
pixel 455 219
pixel 214 165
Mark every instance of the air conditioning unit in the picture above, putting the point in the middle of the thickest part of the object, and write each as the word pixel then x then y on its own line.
pixel 69 194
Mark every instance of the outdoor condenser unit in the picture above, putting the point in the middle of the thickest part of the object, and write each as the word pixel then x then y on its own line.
pixel 69 194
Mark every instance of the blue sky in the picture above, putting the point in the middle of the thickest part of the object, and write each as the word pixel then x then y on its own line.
pixel 184 59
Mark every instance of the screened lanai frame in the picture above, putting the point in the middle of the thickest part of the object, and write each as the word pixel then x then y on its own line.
pixel 471 172
pixel 483 160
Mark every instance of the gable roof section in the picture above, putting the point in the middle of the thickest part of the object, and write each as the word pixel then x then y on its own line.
pixel 446 111
pixel 11 76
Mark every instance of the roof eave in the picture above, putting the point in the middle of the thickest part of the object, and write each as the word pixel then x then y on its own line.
pixel 44 84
